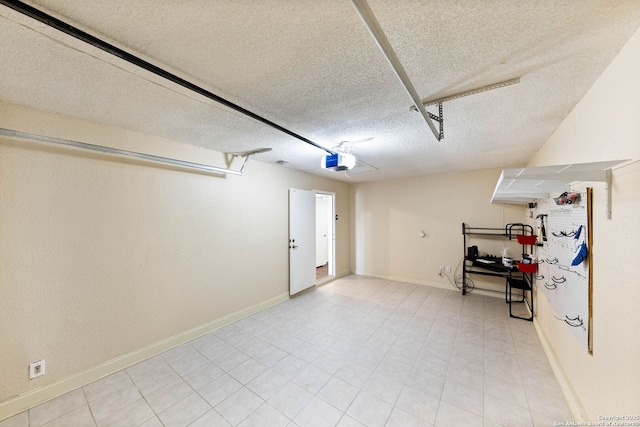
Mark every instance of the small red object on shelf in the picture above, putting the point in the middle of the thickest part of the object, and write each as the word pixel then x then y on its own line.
pixel 527 240
pixel 527 268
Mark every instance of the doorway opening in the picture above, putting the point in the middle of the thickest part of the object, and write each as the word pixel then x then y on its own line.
pixel 325 236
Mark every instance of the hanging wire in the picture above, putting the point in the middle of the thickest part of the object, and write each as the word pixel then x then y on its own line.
pixel 458 280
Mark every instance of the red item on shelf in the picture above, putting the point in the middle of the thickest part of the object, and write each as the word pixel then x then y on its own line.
pixel 527 268
pixel 527 240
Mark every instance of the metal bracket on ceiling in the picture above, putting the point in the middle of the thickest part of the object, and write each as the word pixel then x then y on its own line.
pixel 439 101
pixel 246 155
pixel 469 92
pixel 440 119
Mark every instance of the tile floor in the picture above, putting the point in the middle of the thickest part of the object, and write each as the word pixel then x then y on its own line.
pixel 355 352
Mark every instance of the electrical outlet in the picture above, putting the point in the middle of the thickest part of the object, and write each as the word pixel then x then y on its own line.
pixel 448 269
pixel 36 369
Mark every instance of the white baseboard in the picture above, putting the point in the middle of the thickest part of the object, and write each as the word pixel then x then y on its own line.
pixel 28 400
pixel 570 395
pixel 440 285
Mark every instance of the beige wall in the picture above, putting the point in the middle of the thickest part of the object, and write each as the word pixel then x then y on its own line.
pixel 101 256
pixel 389 216
pixel 605 125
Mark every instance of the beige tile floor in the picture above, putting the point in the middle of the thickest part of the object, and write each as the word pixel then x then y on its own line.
pixel 355 352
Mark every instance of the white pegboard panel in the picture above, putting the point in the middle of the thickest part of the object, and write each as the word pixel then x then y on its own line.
pixel 565 286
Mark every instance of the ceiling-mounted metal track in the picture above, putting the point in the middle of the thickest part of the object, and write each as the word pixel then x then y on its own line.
pixel 134 154
pixel 62 26
pixel 469 92
pixel 375 29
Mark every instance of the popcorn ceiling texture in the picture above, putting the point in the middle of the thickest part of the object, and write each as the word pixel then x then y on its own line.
pixel 312 67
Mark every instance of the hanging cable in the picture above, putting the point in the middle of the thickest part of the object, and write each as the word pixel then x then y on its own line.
pixel 457 280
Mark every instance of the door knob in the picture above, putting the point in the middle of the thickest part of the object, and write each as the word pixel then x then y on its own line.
pixel 293 246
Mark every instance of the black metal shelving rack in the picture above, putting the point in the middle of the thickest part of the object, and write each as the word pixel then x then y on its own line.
pixel 514 278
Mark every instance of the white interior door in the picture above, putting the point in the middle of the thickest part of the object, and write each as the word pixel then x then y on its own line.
pixel 323 215
pixel 302 240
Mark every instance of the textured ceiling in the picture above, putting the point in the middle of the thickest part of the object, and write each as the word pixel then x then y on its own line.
pixel 312 67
